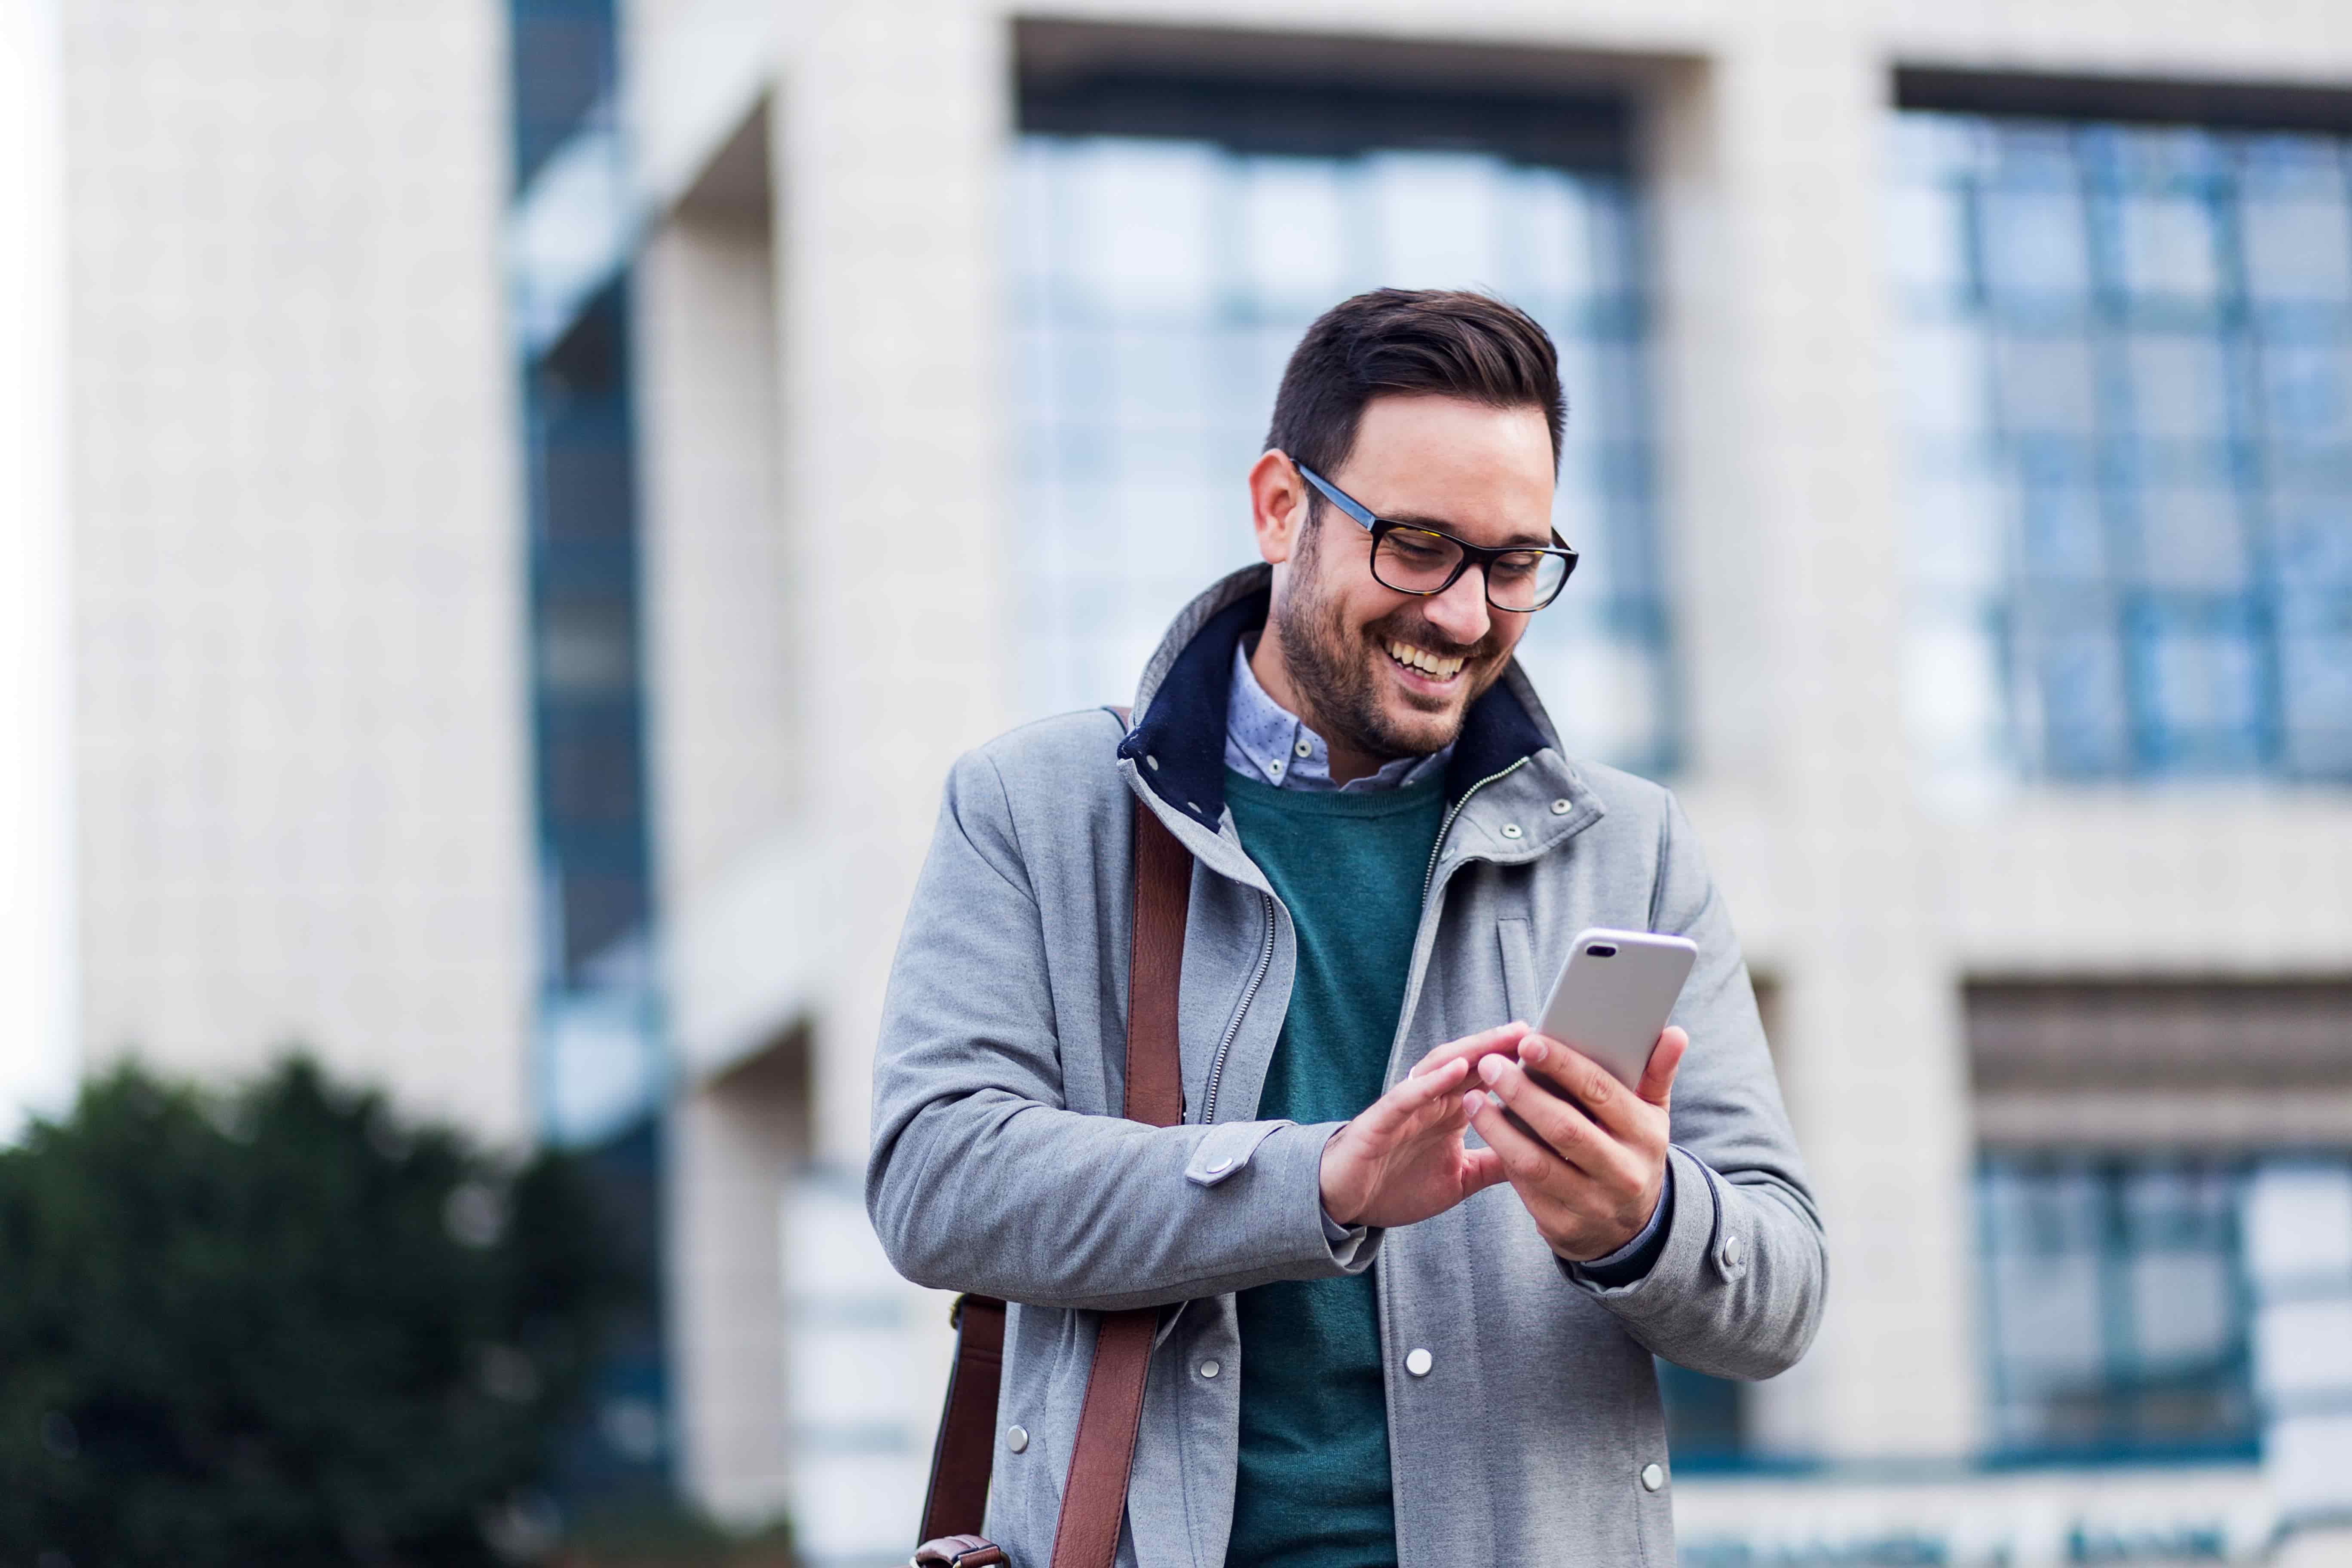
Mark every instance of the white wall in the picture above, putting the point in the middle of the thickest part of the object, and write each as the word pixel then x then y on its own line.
pixel 38 1035
pixel 299 724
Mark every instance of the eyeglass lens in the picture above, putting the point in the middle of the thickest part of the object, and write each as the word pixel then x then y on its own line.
pixel 1414 561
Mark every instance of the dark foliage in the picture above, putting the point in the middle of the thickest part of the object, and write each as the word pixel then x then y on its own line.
pixel 279 1327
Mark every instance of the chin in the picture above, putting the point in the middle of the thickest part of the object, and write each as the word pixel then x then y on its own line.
pixel 1417 732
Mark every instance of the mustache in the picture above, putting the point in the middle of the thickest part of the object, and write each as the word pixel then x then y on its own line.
pixel 1412 628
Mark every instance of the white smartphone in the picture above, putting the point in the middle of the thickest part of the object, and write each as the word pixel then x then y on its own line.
pixel 1613 995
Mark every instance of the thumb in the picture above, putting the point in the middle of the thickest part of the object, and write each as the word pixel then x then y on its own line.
pixel 1665 1058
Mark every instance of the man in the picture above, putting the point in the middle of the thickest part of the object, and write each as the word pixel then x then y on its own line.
pixel 1399 1325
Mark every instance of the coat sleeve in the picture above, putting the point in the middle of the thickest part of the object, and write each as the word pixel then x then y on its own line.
pixel 980 1179
pixel 1736 1290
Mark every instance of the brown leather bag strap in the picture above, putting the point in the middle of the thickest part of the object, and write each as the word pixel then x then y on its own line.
pixel 965 1449
pixel 1102 1456
pixel 1094 1493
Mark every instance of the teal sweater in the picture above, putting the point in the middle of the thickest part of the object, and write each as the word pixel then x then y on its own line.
pixel 1314 1489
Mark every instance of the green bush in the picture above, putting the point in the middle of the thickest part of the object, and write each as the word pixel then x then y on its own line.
pixel 282 1326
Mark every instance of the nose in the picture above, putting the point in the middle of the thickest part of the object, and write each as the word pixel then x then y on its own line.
pixel 1461 612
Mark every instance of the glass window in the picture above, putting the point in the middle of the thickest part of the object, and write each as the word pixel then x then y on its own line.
pixel 2127 350
pixel 1161 282
pixel 2116 1304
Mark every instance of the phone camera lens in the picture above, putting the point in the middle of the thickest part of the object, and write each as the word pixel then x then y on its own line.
pixel 1600 950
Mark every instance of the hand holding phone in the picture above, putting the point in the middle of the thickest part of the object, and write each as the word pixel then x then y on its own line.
pixel 1590 1162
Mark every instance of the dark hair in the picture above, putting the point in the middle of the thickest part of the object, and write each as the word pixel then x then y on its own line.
pixel 1445 342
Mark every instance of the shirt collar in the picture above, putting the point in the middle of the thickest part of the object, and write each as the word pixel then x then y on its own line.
pixel 1266 741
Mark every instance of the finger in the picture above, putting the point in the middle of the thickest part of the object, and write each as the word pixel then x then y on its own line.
pixel 1657 1083
pixel 1528 1165
pixel 1571 1134
pixel 1481 1168
pixel 1586 1083
pixel 1389 1115
pixel 1469 1047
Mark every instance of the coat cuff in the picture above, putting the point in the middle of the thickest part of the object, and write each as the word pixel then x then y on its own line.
pixel 1286 1176
pixel 1639 1256
pixel 1687 1249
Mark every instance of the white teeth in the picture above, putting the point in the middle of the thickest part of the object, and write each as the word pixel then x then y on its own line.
pixel 1420 658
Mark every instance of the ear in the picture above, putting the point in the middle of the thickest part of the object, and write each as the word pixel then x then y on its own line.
pixel 1278 505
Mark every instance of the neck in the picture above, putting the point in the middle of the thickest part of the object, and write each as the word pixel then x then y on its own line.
pixel 1348 762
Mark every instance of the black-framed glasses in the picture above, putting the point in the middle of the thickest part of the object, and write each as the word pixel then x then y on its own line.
pixel 1412 559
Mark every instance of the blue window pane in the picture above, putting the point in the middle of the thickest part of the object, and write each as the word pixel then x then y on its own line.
pixel 2307 389
pixel 2204 684
pixel 2115 1309
pixel 2178 386
pixel 2077 675
pixel 2295 228
pixel 2048 385
pixel 1160 286
pixel 2193 534
pixel 2149 391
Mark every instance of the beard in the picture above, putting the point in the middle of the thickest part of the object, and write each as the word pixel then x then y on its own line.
pixel 1334 665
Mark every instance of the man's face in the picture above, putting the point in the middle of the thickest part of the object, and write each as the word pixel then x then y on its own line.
pixel 1380 672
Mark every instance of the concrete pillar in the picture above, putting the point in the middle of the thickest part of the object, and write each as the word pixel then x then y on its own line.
pixel 1784 471
pixel 889 140
pixel 887 164
pixel 733 1143
pixel 37 966
pixel 726 761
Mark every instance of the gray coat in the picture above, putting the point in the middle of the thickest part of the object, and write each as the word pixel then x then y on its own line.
pixel 1000 1165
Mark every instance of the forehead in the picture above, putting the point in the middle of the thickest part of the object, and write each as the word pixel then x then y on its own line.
pixel 1482 472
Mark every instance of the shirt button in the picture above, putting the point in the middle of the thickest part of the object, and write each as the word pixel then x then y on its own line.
pixel 1275 767
pixel 1016 1439
pixel 1417 1361
pixel 1302 749
pixel 1510 830
pixel 1653 1476
pixel 1210 1369
pixel 1560 808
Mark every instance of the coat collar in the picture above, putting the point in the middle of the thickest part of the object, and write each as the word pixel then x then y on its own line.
pixel 1177 739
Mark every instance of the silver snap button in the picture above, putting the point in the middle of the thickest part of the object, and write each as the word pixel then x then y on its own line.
pixel 1225 1164
pixel 1151 761
pixel 1194 806
pixel 1560 808
pixel 1210 1369
pixel 1303 749
pixel 1510 830
pixel 1733 1249
pixel 1652 1477
pixel 1417 1361
pixel 1016 1439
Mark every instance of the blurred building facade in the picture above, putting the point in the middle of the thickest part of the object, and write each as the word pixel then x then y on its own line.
pixel 551 488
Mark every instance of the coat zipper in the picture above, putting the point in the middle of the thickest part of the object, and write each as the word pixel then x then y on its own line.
pixel 1249 994
pixel 1447 826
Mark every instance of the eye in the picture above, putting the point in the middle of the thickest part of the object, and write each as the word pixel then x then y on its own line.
pixel 1420 549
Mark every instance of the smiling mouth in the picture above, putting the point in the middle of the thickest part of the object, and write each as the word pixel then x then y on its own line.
pixel 1422 662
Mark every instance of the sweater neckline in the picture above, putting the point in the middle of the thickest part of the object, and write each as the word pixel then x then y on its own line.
pixel 1360 804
